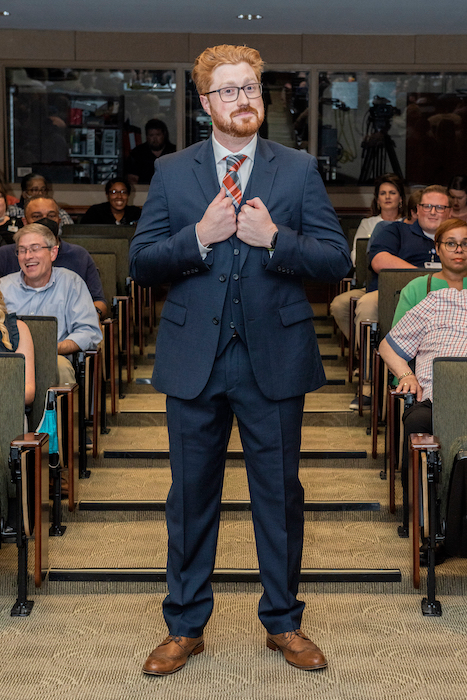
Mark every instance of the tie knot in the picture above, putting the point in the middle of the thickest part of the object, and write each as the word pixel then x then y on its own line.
pixel 234 162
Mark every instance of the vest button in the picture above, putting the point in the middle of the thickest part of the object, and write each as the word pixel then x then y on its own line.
pixel 236 251
pixel 222 278
pixel 215 321
pixel 232 324
pixel 235 276
pixel 235 300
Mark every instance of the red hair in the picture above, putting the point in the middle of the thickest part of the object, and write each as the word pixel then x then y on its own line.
pixel 212 58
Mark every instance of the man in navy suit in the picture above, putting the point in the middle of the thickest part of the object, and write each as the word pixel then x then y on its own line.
pixel 236 337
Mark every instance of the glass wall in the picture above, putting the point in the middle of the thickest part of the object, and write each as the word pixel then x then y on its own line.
pixel 285 97
pixel 80 125
pixel 413 124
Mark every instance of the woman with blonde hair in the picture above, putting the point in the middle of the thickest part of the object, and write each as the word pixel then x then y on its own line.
pixel 16 337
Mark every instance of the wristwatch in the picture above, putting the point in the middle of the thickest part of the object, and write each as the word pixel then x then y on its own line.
pixel 273 240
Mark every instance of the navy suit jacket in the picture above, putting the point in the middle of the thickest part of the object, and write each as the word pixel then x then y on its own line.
pixel 278 317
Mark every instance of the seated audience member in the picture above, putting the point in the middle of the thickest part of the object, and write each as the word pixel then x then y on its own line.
pixel 388 205
pixel 411 217
pixel 430 321
pixel 8 224
pixel 458 192
pixel 16 337
pixel 43 210
pixel 399 245
pixel 453 271
pixel 31 186
pixel 140 165
pixel 42 290
pixel 116 210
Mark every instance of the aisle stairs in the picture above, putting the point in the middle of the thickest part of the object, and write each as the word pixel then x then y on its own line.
pixel 117 537
pixel 119 532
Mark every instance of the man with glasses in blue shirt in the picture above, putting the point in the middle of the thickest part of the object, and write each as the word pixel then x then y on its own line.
pixel 42 290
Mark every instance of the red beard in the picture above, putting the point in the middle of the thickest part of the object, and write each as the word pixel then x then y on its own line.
pixel 239 129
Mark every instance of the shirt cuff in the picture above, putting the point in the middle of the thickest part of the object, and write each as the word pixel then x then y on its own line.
pixel 203 250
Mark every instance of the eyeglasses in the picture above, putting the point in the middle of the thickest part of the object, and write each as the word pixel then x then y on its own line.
pixel 439 208
pixel 38 190
pixel 21 252
pixel 454 245
pixel 118 191
pixel 230 94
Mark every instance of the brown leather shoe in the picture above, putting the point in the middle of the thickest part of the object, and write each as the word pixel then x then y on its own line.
pixel 298 650
pixel 171 655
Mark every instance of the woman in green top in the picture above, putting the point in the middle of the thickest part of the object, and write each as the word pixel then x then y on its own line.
pixel 451 247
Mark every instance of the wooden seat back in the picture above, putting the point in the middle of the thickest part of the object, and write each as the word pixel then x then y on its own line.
pixel 11 418
pixel 106 264
pixel 104 239
pixel 44 335
pixel 449 415
pixel 390 284
pixel 119 246
pixel 362 273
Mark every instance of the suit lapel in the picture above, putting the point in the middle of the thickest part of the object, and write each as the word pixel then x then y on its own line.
pixel 260 182
pixel 204 169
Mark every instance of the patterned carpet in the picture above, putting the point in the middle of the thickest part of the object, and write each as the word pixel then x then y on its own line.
pixel 92 648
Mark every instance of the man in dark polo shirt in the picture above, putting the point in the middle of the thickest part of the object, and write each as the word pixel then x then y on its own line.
pixel 400 245
pixel 45 211
pixel 140 166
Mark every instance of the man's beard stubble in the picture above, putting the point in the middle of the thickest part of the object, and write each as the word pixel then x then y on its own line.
pixel 240 130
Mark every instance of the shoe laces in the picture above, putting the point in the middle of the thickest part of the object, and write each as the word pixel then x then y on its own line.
pixel 288 636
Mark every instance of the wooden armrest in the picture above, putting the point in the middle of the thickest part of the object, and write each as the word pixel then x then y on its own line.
pixel 35 441
pixel 65 389
pixel 30 440
pixel 424 441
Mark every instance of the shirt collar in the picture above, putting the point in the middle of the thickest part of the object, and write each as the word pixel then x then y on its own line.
pixel 37 289
pixel 220 152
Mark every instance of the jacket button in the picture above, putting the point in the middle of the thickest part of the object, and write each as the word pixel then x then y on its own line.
pixel 215 321
pixel 232 324
pixel 222 278
pixel 235 276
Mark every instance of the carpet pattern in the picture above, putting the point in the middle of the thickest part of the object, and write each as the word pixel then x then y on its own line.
pixel 93 647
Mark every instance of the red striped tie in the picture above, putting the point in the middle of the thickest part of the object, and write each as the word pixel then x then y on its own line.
pixel 231 180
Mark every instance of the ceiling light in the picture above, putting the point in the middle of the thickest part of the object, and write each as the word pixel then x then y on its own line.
pixel 4 13
pixel 249 17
